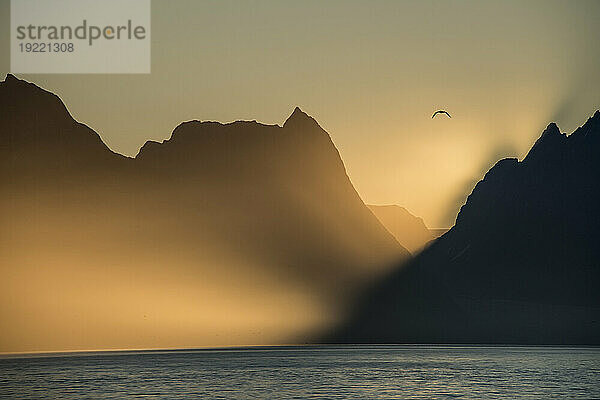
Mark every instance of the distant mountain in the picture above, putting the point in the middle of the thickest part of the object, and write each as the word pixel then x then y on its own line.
pixel 437 232
pixel 521 264
pixel 238 233
pixel 409 231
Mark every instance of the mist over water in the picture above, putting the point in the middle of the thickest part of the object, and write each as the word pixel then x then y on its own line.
pixel 353 372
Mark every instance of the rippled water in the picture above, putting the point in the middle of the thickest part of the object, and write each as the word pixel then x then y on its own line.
pixel 358 372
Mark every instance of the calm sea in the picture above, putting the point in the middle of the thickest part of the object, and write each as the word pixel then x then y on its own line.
pixel 354 372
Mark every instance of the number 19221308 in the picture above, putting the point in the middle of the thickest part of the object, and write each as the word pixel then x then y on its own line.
pixel 46 47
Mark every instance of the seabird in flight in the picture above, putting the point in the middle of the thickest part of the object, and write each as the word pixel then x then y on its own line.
pixel 441 112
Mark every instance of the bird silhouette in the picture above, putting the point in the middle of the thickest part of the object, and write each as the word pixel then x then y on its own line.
pixel 441 112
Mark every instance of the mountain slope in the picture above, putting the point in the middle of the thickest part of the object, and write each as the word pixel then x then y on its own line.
pixel 225 234
pixel 409 231
pixel 521 264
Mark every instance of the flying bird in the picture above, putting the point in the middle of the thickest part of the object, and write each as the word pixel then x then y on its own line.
pixel 441 112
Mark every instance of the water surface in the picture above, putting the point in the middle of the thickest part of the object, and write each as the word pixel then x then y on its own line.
pixel 352 372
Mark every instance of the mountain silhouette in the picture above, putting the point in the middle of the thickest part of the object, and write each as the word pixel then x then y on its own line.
pixel 437 232
pixel 409 231
pixel 521 264
pixel 238 233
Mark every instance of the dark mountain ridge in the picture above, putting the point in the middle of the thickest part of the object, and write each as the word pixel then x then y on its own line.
pixel 259 220
pixel 521 264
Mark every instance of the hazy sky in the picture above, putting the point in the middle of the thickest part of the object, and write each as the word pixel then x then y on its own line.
pixel 371 72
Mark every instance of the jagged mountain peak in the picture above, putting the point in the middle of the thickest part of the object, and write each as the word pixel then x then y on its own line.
pixel 298 113
pixel 299 118
pixel 590 125
pixel 15 92
pixel 38 125
pixel 550 142
pixel 17 85
pixel 11 82
pixel 551 129
pixel 11 78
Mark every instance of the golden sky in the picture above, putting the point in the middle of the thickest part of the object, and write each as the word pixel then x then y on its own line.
pixel 371 73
